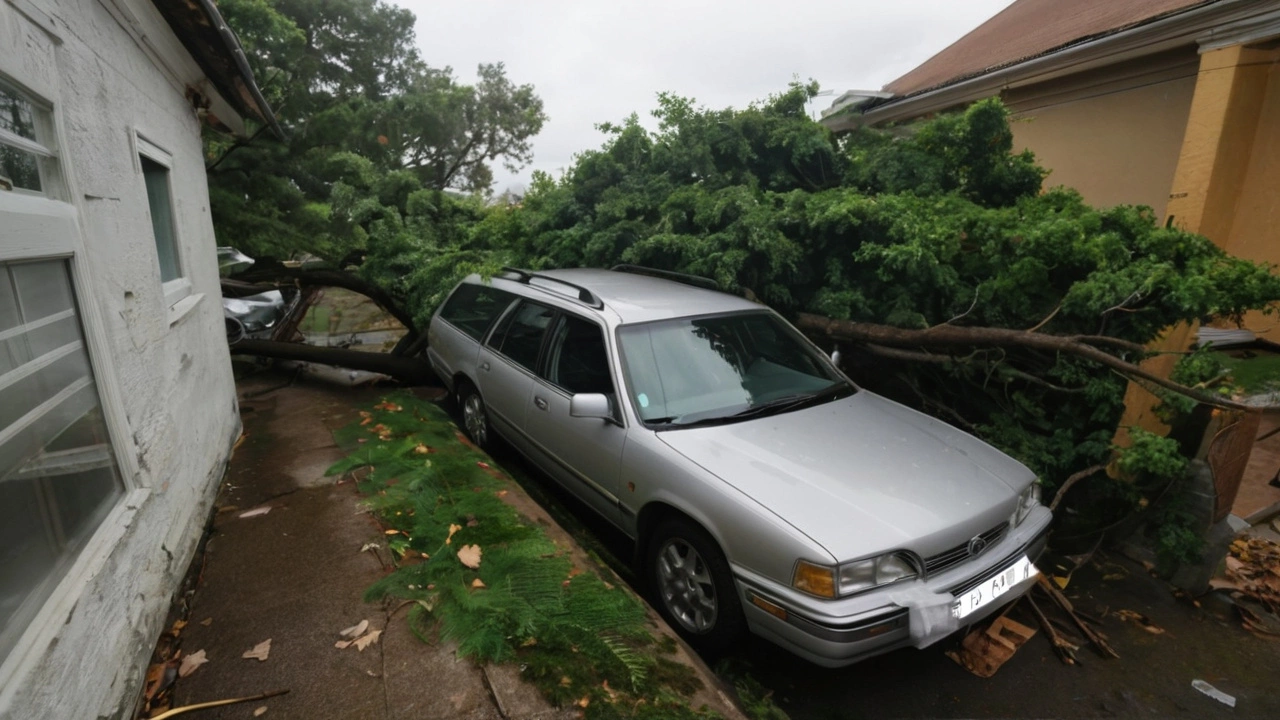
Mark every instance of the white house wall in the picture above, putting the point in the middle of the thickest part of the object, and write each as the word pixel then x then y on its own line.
pixel 165 374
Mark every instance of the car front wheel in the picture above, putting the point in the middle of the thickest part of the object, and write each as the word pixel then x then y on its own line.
pixel 693 585
pixel 475 418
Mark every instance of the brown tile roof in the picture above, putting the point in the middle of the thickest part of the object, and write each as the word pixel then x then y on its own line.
pixel 1027 29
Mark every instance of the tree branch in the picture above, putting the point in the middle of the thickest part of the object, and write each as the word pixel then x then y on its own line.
pixel 1075 478
pixel 952 336
pixel 415 372
pixel 328 277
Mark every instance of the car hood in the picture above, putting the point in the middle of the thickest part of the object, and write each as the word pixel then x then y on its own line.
pixel 863 475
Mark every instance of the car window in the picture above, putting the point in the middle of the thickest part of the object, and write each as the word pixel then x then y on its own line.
pixel 520 335
pixel 473 308
pixel 577 359
pixel 718 366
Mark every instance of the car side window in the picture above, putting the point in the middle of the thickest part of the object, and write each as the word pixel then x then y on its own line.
pixel 577 359
pixel 473 308
pixel 520 335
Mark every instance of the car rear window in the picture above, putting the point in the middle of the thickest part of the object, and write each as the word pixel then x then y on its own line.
pixel 473 308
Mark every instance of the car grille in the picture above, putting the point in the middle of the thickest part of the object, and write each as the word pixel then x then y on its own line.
pixel 944 561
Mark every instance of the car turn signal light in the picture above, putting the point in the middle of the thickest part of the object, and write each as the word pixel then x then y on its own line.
pixel 814 579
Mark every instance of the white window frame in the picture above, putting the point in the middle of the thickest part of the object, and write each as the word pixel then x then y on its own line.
pixel 179 288
pixel 49 229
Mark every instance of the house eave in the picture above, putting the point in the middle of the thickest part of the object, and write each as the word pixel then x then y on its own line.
pixel 1209 26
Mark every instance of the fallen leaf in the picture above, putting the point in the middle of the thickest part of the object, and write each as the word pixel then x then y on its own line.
pixel 585 701
pixel 484 465
pixel 1142 620
pixel 530 642
pixel 452 529
pixel 177 627
pixel 469 555
pixel 369 546
pixel 259 651
pixel 255 512
pixel 477 584
pixel 362 440
pixel 391 532
pixel 501 493
pixel 355 630
pixel 565 681
pixel 260 711
pixel 421 449
pixel 207 622
pixel 191 662
pixel 343 644
pixel 367 639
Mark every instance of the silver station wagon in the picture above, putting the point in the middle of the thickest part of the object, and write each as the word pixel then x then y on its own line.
pixel 764 489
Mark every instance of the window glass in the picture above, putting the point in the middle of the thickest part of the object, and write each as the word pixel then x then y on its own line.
pixel 577 359
pixel 157 180
pixel 693 369
pixel 473 308
pixel 20 167
pixel 521 336
pixel 58 476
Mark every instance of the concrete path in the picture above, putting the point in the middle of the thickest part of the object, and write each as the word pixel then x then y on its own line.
pixel 296 576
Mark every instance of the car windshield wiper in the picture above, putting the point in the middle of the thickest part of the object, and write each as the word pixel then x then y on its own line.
pixel 789 402
pixel 777 405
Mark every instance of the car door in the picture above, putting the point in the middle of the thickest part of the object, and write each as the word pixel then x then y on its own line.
pixel 583 454
pixel 505 368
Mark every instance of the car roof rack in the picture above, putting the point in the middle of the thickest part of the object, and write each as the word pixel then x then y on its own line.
pixel 686 278
pixel 583 295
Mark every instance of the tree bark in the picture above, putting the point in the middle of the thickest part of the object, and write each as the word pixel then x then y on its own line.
pixel 941 336
pixel 327 277
pixel 414 372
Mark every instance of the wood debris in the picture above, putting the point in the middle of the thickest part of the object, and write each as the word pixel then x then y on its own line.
pixel 983 651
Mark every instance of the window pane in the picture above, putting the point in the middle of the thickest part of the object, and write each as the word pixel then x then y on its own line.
pixel 579 361
pixel 20 168
pixel 16 115
pixel 523 336
pixel 157 179
pixel 472 308
pixel 58 476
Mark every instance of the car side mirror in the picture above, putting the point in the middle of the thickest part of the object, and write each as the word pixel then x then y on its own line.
pixel 590 405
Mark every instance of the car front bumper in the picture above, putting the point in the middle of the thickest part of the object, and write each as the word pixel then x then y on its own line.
pixel 835 633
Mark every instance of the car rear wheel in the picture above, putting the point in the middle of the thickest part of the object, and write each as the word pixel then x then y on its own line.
pixel 475 417
pixel 693 585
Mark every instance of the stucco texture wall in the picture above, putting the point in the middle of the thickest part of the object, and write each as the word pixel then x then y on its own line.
pixel 1255 230
pixel 172 383
pixel 1114 135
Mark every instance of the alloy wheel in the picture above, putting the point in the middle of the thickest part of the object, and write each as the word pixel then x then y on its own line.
pixel 686 587
pixel 473 417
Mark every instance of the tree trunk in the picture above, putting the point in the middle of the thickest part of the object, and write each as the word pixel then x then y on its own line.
pixel 408 370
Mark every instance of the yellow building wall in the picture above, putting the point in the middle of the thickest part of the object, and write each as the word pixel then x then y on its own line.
pixel 1114 134
pixel 1255 226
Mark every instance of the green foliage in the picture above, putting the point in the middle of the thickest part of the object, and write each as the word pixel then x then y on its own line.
pixel 576 635
pixel 368 124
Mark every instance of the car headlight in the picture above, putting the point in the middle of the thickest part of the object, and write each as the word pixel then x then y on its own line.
pixel 853 577
pixel 1026 501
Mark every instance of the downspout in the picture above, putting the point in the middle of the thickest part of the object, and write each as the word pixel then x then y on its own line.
pixel 242 63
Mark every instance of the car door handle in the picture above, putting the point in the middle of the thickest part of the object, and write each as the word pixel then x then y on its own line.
pixel 539 403
pixel 484 366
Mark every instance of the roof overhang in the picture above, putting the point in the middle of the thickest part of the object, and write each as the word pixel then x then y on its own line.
pixel 215 48
pixel 1210 26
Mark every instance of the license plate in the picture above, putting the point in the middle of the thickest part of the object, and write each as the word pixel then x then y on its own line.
pixel 989 590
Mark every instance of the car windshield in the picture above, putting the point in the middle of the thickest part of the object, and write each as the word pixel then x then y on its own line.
pixel 722 368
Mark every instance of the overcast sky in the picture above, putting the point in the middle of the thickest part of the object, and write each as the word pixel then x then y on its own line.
pixel 600 60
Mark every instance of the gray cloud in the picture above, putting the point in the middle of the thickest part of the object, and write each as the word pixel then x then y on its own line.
pixel 600 61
